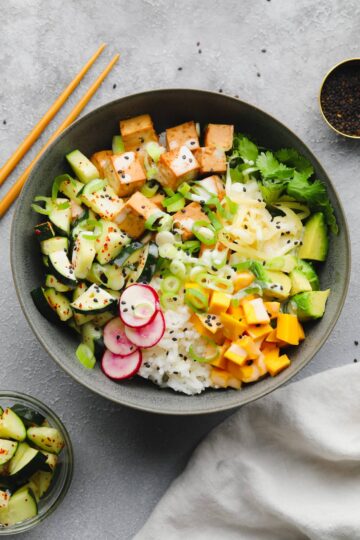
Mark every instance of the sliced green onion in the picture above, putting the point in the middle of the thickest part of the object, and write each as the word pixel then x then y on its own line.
pixel 195 271
pixel 174 203
pixel 197 300
pixel 214 220
pixel 205 232
pixel 204 353
pixel 118 146
pixel 94 227
pixel 178 268
pixel 214 282
pixel 168 251
pixel 159 221
pixel 42 199
pixel 168 300
pixel 85 356
pixel 63 206
pixel 169 192
pixel 40 210
pixel 192 246
pixel 219 258
pixel 94 185
pixel 151 173
pixel 57 183
pixel 154 150
pixel 149 189
pixel 171 284
pixel 184 189
pixel 164 237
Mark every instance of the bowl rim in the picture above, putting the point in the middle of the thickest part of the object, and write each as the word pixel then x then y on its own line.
pixel 261 392
pixel 24 526
pixel 326 76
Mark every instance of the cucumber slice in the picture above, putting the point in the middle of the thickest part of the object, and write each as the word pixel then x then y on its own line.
pixel 44 231
pixel 51 459
pixel 126 252
pixel 40 483
pixel 110 243
pixel 83 255
pixel 25 462
pixel 11 426
pixel 54 283
pixel 7 450
pixel 60 217
pixel 62 268
pixel 42 304
pixel 92 336
pixel 46 438
pixel 4 498
pixel 150 264
pixel 22 506
pixel 104 202
pixel 103 318
pixel 82 166
pixel 30 417
pixel 59 304
pixel 94 300
pixel 51 245
pixel 72 189
pixel 79 318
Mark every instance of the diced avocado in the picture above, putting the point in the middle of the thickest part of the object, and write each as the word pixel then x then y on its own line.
pixel 315 241
pixel 309 305
pixel 82 166
pixel 308 270
pixel 279 285
pixel 285 264
pixel 299 282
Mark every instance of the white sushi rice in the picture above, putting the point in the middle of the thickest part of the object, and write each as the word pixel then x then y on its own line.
pixel 168 363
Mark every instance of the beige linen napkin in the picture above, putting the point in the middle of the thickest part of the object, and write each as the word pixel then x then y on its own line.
pixel 286 467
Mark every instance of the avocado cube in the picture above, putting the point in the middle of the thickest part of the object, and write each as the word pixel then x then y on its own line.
pixel 309 305
pixel 315 240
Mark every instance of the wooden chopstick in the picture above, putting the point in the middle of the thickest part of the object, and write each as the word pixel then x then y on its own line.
pixel 48 116
pixel 12 194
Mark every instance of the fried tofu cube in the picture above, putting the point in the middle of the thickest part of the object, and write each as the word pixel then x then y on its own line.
pixel 177 166
pixel 211 160
pixel 219 302
pixel 255 312
pixel 233 329
pixel 288 328
pixel 214 185
pixel 276 365
pixel 125 173
pixel 158 200
pixel 133 215
pixel 219 136
pixel 185 219
pixel 101 160
pixel 137 131
pixel 183 135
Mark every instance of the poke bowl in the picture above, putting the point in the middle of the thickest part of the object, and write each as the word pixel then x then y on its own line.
pixel 193 258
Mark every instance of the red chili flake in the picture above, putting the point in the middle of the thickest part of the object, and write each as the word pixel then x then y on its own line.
pixel 37 231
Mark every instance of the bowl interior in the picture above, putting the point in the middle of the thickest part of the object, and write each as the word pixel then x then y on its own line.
pixel 94 132
pixel 63 472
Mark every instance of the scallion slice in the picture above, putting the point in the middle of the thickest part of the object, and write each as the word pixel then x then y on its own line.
pixel 94 185
pixel 204 352
pixel 171 284
pixel 205 232
pixel 149 189
pixel 158 221
pixel 196 299
pixel 85 356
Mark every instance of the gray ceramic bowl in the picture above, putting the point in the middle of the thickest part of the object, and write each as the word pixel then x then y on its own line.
pixel 94 132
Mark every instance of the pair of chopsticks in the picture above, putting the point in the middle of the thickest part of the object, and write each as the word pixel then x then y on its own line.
pixel 19 153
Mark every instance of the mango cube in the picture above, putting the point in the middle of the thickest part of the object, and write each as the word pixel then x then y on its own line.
pixel 250 347
pixel 233 382
pixel 219 377
pixel 221 361
pixel 236 311
pixel 236 353
pixel 242 280
pixel 219 302
pixel 257 331
pixel 301 332
pixel 273 309
pixel 276 365
pixel 288 328
pixel 255 312
pixel 233 329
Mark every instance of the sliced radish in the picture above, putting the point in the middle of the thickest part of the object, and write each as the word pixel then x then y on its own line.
pixel 138 305
pixel 115 338
pixel 149 335
pixel 120 367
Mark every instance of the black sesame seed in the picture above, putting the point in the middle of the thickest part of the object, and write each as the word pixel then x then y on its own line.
pixel 96 300
pixel 218 324
pixel 4 122
pixel 184 157
pixel 179 68
pixel 174 339
pixel 114 86
pixel 263 50
pixel 125 310
pixel 258 74
pixel 356 343
pixel 355 360
pixel 220 90
pixel 171 332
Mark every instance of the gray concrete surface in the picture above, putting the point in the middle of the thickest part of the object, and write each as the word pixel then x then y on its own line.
pixel 270 53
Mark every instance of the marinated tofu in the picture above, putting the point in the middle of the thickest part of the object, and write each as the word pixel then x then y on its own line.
pixel 214 185
pixel 183 135
pixel 211 160
pixel 219 136
pixel 137 131
pixel 125 173
pixel 185 219
pixel 176 167
pixel 101 160
pixel 132 216
pixel 158 200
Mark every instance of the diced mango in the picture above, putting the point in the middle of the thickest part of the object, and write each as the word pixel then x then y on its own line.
pixel 219 377
pixel 219 302
pixel 255 312
pixel 301 332
pixel 221 361
pixel 236 311
pixel 260 364
pixel 270 351
pixel 233 329
pixel 234 369
pixel 250 347
pixel 212 323
pixel 250 373
pixel 233 382
pixel 275 365
pixel 247 299
pixel 219 337
pixel 257 331
pixel 237 354
pixel 273 309
pixel 288 328
pixel 242 280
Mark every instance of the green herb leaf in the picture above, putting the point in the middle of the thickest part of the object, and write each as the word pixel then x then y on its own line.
pixel 248 151
pixel 270 167
pixel 292 158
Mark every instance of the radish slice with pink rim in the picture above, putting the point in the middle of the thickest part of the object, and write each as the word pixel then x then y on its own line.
pixel 118 367
pixel 149 335
pixel 138 305
pixel 115 338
